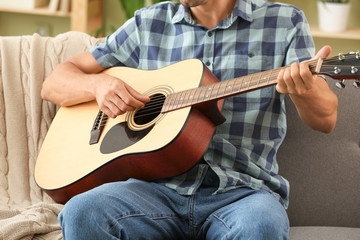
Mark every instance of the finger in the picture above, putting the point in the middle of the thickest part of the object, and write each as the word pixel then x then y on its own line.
pixel 299 84
pixel 121 104
pixel 324 52
pixel 281 86
pixel 140 99
pixel 127 102
pixel 306 75
pixel 111 111
pixel 115 110
pixel 290 85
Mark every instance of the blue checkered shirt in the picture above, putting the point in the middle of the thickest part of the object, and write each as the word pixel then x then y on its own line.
pixel 257 36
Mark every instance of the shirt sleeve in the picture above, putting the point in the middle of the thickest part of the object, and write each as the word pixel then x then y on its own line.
pixel 120 48
pixel 301 44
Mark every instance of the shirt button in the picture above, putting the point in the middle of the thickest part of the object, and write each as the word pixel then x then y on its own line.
pixel 208 63
pixel 209 34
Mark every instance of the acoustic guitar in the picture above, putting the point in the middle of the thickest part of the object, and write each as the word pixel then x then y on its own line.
pixel 84 148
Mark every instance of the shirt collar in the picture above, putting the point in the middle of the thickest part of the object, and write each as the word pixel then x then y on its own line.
pixel 242 9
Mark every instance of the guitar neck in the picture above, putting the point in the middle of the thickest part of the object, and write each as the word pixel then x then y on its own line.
pixel 228 88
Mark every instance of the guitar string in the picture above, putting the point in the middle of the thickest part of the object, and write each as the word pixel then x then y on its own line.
pixel 157 102
pixel 240 78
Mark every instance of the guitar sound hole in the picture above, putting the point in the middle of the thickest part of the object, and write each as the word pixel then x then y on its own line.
pixel 151 110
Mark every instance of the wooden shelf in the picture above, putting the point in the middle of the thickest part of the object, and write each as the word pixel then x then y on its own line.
pixel 85 15
pixel 37 11
pixel 350 34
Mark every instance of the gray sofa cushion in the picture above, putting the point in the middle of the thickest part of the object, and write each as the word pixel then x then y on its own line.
pixel 324 233
pixel 324 170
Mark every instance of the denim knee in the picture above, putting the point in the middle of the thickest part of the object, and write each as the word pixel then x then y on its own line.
pixel 76 212
pixel 265 219
pixel 267 227
pixel 83 218
pixel 259 216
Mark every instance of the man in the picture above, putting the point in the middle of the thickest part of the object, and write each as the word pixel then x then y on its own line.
pixel 235 191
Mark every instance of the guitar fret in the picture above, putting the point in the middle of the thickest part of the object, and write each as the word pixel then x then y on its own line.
pixel 186 97
pixel 228 88
pixel 180 101
pixel 201 94
pixel 223 88
pixel 171 101
pixel 217 87
pixel 269 77
pixel 241 83
pixel 234 81
pixel 209 92
pixel 248 87
pixel 166 105
pixel 258 82
pixel 198 96
pixel 191 97
pixel 176 100
pixel 214 91
pixel 262 78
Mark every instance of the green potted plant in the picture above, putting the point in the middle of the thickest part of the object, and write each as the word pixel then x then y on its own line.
pixel 333 15
pixel 130 6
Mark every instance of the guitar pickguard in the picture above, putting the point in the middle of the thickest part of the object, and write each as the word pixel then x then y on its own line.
pixel 120 137
pixel 137 125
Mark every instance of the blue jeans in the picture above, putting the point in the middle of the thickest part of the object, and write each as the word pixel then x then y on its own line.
pixel 137 209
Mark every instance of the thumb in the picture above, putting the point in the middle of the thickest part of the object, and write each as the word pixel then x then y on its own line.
pixel 324 52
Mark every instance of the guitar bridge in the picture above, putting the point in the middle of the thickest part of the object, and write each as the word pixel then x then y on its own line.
pixel 98 127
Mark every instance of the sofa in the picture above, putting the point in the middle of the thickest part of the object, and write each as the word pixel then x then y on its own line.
pixel 324 170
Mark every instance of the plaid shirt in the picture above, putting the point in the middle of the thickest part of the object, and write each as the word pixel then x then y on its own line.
pixel 257 36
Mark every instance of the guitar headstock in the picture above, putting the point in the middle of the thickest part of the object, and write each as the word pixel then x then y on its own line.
pixel 342 67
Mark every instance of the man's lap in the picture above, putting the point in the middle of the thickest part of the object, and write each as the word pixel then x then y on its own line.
pixel 144 210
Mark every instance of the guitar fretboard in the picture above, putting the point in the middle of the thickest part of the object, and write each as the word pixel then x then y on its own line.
pixel 226 88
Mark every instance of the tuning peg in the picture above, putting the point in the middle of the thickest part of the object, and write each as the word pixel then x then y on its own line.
pixel 340 84
pixel 356 83
pixel 337 70
pixel 341 56
pixel 354 70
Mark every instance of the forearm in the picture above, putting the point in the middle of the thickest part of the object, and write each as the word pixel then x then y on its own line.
pixel 67 85
pixel 72 81
pixel 80 79
pixel 318 107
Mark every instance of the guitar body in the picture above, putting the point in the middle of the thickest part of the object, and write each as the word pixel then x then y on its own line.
pixel 130 146
pixel 83 149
